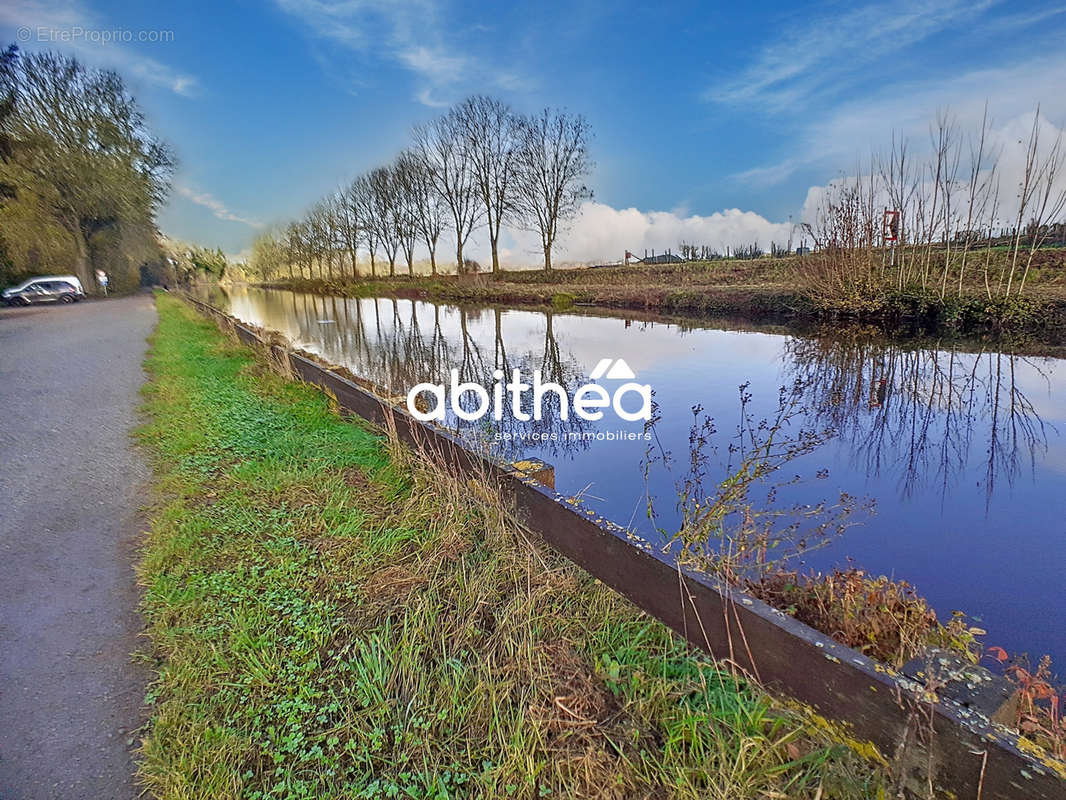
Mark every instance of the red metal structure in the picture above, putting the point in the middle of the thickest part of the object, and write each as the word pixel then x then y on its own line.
pixel 890 226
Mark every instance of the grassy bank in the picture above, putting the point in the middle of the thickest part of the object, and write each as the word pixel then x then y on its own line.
pixel 331 618
pixel 607 288
pixel 757 289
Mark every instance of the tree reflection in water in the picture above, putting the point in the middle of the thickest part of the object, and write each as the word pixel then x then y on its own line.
pixel 395 344
pixel 919 411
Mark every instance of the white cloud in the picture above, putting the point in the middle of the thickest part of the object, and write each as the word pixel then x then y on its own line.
pixel 433 64
pixel 426 98
pixel 215 206
pixel 602 234
pixel 328 19
pixel 68 26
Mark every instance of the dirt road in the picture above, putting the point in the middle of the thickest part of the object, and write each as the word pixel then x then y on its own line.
pixel 70 696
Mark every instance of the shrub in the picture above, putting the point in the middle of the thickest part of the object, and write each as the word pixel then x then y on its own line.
pixel 562 301
pixel 469 267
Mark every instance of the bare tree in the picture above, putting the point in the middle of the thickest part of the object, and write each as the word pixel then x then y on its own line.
pixel 361 195
pixel 268 253
pixel 901 182
pixel 948 178
pixel 551 165
pixel 983 167
pixel 428 207
pixel 318 226
pixel 312 235
pixel 291 244
pixel 491 131
pixel 330 211
pixel 350 228
pixel 1047 198
pixel 292 247
pixel 1028 187
pixel 993 214
pixel 298 242
pixel 441 146
pixel 405 179
pixel 384 214
pixel 942 138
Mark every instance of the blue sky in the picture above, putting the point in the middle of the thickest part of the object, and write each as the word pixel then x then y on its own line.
pixel 696 108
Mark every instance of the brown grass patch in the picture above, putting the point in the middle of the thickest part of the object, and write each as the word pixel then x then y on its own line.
pixel 392 585
pixel 576 699
pixel 355 478
pixel 881 618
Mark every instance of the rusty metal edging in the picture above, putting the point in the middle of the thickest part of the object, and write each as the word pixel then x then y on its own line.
pixel 970 756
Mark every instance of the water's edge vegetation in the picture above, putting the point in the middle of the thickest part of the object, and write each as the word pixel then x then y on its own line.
pixel 765 289
pixel 330 617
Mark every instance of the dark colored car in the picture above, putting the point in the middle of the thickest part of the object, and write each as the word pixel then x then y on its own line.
pixel 46 289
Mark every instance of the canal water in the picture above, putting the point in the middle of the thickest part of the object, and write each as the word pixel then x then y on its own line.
pixel 961 451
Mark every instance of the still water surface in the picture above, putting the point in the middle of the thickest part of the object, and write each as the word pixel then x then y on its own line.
pixel 963 452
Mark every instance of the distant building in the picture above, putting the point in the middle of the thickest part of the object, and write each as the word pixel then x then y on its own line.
pixel 802 251
pixel 663 258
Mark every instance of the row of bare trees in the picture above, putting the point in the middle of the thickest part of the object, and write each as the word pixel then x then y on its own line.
pixel 952 209
pixel 479 165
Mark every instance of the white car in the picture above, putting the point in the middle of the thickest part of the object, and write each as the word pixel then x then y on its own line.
pixel 45 289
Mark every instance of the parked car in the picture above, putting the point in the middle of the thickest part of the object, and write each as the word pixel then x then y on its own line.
pixel 45 289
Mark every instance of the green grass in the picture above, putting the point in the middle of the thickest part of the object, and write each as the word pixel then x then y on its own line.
pixel 331 618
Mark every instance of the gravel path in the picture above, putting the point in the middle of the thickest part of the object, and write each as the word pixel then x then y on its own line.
pixel 70 696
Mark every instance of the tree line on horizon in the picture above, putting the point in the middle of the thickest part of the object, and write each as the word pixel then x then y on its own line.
pixel 480 165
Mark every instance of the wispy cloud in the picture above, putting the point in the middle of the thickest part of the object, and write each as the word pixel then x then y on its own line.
pixel 432 63
pixel 46 24
pixel 837 137
pixel 215 206
pixel 827 54
pixel 842 84
pixel 426 97
pixel 409 33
